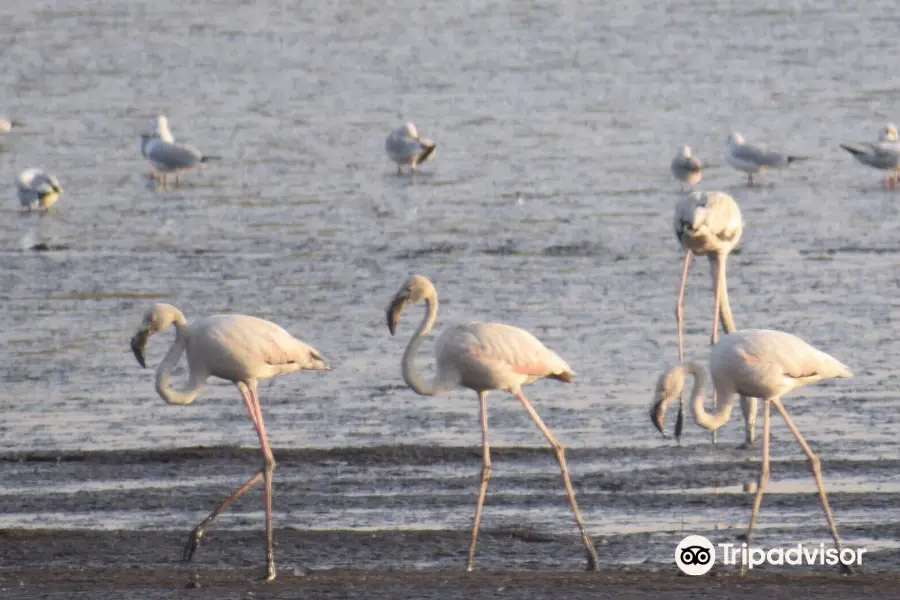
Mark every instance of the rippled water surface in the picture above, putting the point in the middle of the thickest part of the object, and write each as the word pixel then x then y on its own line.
pixel 548 206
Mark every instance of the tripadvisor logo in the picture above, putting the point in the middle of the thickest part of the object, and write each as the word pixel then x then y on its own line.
pixel 695 555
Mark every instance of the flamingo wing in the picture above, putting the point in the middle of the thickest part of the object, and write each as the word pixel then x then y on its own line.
pixel 508 348
pixel 257 341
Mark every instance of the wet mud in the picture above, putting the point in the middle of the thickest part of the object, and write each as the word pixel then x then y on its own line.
pixel 149 501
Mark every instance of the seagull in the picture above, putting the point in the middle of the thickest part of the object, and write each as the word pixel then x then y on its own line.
pixel 753 159
pixel 7 124
pixel 162 133
pixel 404 146
pixel 171 157
pixel 686 167
pixel 37 189
pixel 883 155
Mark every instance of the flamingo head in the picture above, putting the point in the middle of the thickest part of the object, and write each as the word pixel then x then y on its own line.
pixel 668 387
pixel 160 317
pixel 417 288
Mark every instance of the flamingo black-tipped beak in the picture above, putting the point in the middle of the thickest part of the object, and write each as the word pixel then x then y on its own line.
pixel 394 310
pixel 679 424
pixel 657 415
pixel 138 343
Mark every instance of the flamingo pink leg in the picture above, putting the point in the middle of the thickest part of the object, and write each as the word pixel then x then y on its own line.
pixel 559 451
pixel 251 401
pixel 485 476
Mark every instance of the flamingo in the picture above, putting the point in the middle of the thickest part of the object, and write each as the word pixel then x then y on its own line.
pixel 763 364
pixel 404 146
pixel 37 189
pixel 484 357
pixel 753 159
pixel 237 348
pixel 709 223
pixel 686 167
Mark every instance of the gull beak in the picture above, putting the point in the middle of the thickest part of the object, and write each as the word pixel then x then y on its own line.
pixel 394 310
pixel 138 343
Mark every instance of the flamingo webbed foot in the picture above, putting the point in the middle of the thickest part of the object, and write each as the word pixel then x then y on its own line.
pixel 592 562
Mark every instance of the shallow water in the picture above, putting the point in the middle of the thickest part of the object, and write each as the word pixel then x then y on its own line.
pixel 548 206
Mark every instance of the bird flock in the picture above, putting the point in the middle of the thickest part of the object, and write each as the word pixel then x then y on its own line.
pixel 755 365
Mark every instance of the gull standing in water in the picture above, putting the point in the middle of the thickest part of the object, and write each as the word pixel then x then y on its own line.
pixel 162 133
pixel 404 146
pixel 170 156
pixel 883 155
pixel 686 167
pixel 7 124
pixel 37 189
pixel 753 159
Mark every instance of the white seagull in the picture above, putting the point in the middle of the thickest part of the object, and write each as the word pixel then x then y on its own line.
pixel 7 124
pixel 171 157
pixel 37 189
pixel 753 159
pixel 686 167
pixel 404 146
pixel 883 155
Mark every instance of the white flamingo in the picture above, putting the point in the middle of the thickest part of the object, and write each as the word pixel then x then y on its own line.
pixel 37 189
pixel 686 167
pixel 709 223
pixel 761 364
pixel 237 348
pixel 404 146
pixel 484 357
pixel 753 159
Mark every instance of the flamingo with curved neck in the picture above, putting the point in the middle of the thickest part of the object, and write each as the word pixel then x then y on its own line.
pixel 237 348
pixel 761 364
pixel 484 357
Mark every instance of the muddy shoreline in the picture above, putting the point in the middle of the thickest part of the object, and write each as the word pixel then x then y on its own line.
pixel 137 565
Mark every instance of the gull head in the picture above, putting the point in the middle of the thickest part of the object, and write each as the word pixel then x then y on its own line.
pixel 889 133
pixel 735 138
pixel 411 131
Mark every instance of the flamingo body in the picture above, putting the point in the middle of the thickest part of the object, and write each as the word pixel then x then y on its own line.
pixel 494 356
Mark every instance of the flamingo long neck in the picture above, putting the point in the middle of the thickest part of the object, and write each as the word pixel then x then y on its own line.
pixel 164 370
pixel 717 271
pixel 704 419
pixel 411 374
